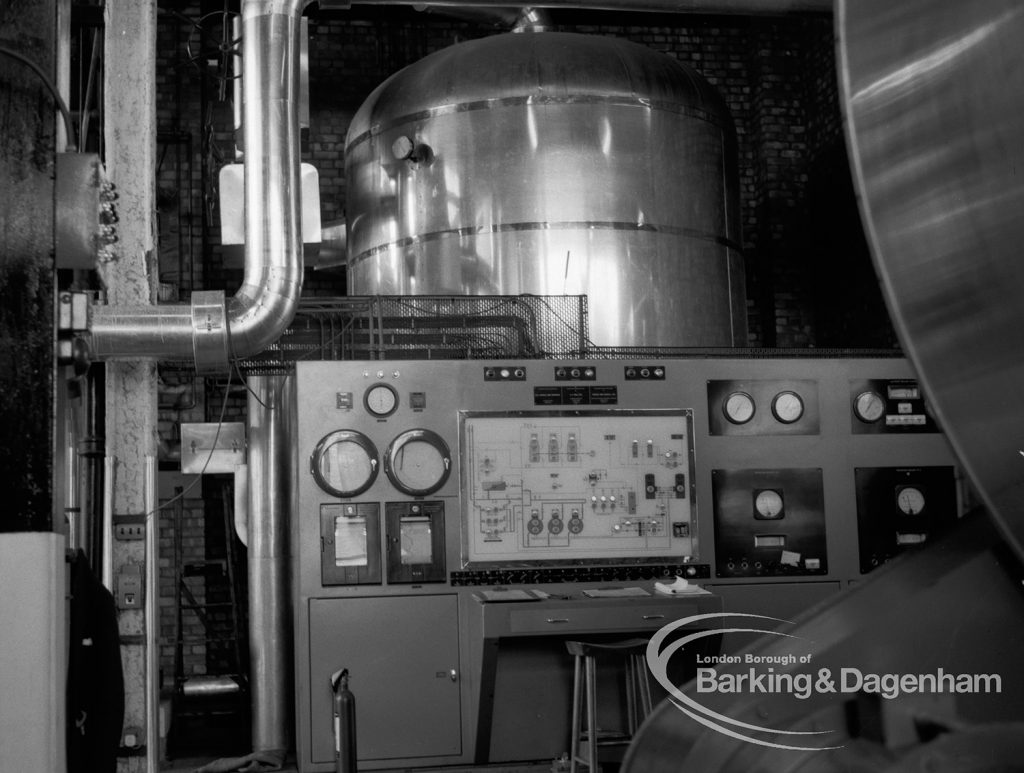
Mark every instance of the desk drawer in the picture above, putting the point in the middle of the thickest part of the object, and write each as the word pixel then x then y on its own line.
pixel 642 617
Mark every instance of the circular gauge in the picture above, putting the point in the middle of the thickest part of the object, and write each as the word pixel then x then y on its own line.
pixel 739 407
pixel 345 463
pixel 869 406
pixel 768 504
pixel 381 400
pixel 910 500
pixel 787 407
pixel 418 462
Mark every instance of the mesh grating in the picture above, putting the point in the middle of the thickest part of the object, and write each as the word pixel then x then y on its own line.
pixel 430 327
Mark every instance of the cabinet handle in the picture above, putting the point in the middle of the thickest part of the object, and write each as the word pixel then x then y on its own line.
pixel 558 619
pixel 654 617
pixel 454 675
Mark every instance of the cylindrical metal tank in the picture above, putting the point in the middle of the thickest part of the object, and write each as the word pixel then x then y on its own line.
pixel 553 163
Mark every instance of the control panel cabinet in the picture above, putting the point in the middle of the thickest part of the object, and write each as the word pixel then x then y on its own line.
pixel 402 654
pixel 434 498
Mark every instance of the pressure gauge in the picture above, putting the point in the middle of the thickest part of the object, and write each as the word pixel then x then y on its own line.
pixel 381 400
pixel 869 406
pixel 768 504
pixel 910 500
pixel 787 407
pixel 345 463
pixel 739 407
pixel 418 462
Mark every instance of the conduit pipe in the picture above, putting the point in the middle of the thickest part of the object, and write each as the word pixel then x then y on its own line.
pixel 269 611
pixel 209 331
pixel 657 6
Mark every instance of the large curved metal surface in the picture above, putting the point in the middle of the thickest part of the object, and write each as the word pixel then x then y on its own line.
pixel 933 93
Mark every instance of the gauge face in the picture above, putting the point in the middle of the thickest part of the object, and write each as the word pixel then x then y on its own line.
pixel 869 406
pixel 768 504
pixel 381 400
pixel 787 407
pixel 418 462
pixel 345 463
pixel 739 407
pixel 910 500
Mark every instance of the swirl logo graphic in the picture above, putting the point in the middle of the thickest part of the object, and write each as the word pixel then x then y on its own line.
pixel 658 659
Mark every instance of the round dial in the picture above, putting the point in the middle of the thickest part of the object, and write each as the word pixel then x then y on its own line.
pixel 418 462
pixel 381 400
pixel 345 463
pixel 739 407
pixel 787 407
pixel 910 500
pixel 869 406
pixel 768 503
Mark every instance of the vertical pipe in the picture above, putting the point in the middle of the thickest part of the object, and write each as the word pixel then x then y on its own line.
pixel 107 535
pixel 152 594
pixel 72 475
pixel 269 608
pixel 90 452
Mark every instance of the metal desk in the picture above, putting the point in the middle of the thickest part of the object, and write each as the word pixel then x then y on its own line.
pixel 574 616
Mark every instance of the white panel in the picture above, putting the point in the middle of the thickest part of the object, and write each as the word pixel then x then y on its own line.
pixel 33 652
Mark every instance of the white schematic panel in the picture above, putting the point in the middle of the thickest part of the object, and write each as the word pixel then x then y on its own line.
pixel 569 486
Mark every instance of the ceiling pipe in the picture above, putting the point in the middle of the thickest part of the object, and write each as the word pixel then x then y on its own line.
pixel 210 331
pixel 748 7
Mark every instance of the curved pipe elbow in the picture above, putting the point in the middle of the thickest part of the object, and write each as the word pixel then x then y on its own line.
pixel 258 315
pixel 210 332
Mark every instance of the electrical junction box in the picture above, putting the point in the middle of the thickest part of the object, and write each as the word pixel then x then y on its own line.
pixel 85 212
pixel 131 587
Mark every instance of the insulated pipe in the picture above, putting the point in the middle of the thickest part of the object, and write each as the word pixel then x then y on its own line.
pixel 152 612
pixel 658 6
pixel 269 610
pixel 265 304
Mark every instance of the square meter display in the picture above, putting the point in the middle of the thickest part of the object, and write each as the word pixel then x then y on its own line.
pixel 570 487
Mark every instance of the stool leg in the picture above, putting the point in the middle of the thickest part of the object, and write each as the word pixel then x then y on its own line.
pixel 631 686
pixel 577 705
pixel 645 686
pixel 591 666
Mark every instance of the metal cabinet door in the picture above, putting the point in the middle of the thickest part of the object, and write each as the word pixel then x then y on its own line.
pixel 403 657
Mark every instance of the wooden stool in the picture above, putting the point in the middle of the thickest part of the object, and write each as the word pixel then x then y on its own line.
pixel 584 747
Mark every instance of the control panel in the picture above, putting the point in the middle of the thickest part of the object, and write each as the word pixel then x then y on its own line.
pixel 892 406
pixel 447 472
pixel 763 407
pixel 562 486
pixel 422 487
pixel 899 508
pixel 769 522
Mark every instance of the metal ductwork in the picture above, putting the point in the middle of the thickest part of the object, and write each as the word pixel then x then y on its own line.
pixel 210 331
pixel 269 608
pixel 656 6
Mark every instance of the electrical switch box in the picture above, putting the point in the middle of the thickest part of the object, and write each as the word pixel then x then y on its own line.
pixel 131 587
